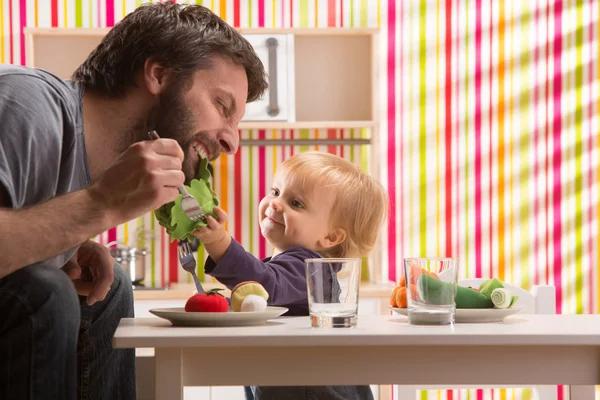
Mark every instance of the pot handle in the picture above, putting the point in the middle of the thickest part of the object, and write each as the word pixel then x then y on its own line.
pixel 117 242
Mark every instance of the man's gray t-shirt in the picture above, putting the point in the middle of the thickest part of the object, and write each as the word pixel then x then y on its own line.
pixel 42 148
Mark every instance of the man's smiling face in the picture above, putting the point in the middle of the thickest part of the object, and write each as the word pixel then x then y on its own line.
pixel 203 115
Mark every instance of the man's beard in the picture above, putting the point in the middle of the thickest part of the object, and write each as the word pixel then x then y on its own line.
pixel 172 119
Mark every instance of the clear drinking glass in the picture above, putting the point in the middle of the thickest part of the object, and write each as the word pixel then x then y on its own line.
pixel 332 285
pixel 431 285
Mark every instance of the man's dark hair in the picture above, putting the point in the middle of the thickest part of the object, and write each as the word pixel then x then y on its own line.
pixel 183 38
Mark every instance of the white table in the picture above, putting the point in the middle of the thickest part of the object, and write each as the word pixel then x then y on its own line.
pixel 523 350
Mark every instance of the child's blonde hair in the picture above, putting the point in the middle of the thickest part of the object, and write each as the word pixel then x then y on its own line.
pixel 360 204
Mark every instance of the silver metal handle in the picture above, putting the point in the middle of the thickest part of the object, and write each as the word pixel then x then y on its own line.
pixel 182 190
pixel 273 108
pixel 199 287
pixel 117 242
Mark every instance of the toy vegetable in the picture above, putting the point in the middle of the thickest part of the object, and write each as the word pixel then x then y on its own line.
pixel 211 301
pixel 239 293
pixel 253 303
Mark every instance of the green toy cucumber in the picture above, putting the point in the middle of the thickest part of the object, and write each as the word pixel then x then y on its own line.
pixel 434 291
pixel 469 298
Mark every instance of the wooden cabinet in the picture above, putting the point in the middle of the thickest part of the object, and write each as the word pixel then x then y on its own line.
pixel 331 78
pixel 276 51
pixel 319 77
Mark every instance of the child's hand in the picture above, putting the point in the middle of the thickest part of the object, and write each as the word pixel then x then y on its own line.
pixel 215 231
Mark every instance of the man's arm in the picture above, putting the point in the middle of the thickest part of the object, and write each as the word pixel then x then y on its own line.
pixel 37 233
pixel 142 179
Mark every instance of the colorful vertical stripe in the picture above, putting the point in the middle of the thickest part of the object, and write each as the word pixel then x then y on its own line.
pixel 556 156
pixel 391 139
pixel 449 135
pixel 478 133
pixel 596 132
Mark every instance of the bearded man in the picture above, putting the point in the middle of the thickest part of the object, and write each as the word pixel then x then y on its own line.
pixel 76 160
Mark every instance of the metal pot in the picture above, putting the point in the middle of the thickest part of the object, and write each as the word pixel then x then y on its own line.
pixel 132 259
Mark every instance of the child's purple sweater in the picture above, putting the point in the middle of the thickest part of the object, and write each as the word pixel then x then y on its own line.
pixel 282 276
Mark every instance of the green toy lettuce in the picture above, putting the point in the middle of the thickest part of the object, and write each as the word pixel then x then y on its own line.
pixel 171 215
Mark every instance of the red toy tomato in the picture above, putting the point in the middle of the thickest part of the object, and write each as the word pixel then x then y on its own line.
pixel 211 301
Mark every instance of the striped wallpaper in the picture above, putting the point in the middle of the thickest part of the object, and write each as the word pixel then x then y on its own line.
pixel 488 142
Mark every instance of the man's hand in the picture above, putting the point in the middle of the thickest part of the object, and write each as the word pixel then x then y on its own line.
pixel 92 271
pixel 142 179
pixel 215 238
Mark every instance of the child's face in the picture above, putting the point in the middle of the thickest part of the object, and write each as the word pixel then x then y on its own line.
pixel 291 217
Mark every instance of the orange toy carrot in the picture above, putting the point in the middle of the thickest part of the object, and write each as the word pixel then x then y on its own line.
pixel 401 297
pixel 393 297
pixel 402 281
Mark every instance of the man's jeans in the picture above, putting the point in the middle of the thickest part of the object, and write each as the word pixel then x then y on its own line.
pixel 54 346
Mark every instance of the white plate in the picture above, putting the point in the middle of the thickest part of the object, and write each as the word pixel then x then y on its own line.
pixel 179 317
pixel 471 315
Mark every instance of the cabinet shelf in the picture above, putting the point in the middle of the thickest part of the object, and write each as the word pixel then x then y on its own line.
pixel 246 125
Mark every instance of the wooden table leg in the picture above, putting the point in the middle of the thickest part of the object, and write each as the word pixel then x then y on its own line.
pixel 168 373
pixel 581 392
